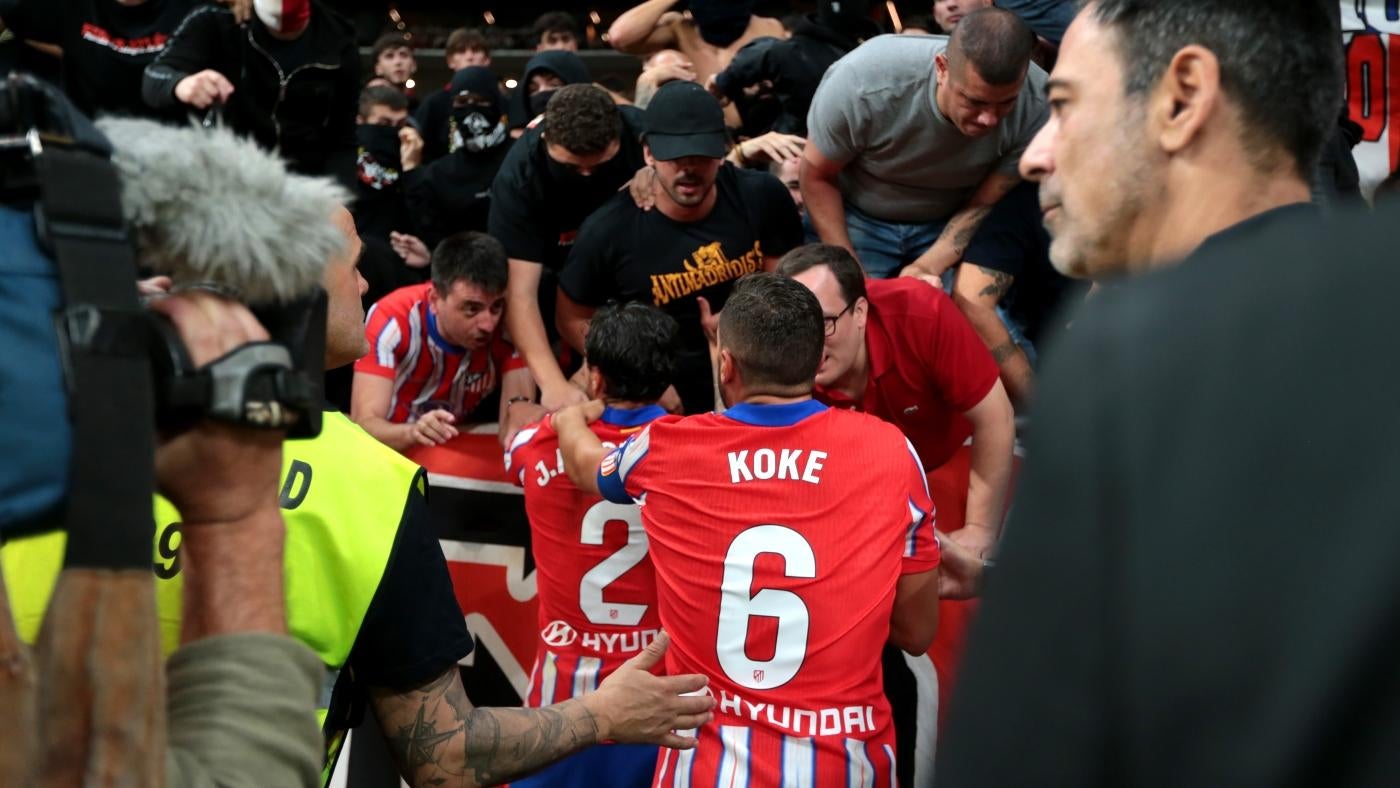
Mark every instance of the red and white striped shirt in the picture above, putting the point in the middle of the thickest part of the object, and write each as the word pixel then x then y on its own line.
pixel 428 371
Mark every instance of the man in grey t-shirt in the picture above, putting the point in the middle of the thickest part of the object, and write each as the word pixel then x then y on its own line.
pixel 912 140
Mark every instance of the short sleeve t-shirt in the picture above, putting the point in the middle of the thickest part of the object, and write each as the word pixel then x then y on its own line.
pixel 778 534
pixel 537 205
pixel 904 161
pixel 428 371
pixel 1013 240
pixel 106 45
pixel 927 367
pixel 626 254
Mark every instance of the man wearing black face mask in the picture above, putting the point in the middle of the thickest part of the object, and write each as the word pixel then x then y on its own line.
pixel 707 32
pixel 544 74
pixel 570 163
pixel 387 148
pixel 452 194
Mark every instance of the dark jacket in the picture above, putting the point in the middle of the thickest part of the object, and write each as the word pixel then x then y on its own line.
pixel 795 66
pixel 308 112
pixel 568 66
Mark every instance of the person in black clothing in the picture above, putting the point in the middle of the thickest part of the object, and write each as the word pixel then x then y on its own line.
pixel 584 150
pixel 544 74
pixel 712 224
pixel 1150 622
pixel 453 194
pixel 465 47
pixel 388 149
pixel 1010 293
pixel 289 80
pixel 106 45
pixel 795 65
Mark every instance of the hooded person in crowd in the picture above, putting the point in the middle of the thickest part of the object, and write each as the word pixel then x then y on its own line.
pixel 452 194
pixel 545 73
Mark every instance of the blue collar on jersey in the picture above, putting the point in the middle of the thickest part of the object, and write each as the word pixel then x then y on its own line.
pixel 632 417
pixel 439 338
pixel 783 415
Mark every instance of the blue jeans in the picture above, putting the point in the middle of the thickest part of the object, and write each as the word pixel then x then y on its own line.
pixel 885 247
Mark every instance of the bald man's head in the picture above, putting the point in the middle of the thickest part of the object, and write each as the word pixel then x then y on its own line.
pixel 993 41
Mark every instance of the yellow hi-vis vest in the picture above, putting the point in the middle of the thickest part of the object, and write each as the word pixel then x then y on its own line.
pixel 343 497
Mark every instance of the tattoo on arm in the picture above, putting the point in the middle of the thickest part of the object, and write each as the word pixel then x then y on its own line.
pixel 438 739
pixel 1004 351
pixel 1001 282
pixel 963 227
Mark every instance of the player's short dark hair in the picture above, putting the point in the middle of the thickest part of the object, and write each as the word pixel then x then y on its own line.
pixel 390 41
pixel 472 257
pixel 844 266
pixel 1282 63
pixel 464 39
pixel 995 42
pixel 633 346
pixel 554 22
pixel 773 327
pixel 582 119
pixel 381 95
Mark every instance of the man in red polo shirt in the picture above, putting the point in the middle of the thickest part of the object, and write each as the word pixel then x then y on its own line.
pixel 901 350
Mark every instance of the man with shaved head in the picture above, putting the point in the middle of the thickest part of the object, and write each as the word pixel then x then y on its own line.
pixel 912 140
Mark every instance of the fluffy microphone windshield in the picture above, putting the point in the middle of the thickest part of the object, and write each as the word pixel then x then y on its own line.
pixel 207 206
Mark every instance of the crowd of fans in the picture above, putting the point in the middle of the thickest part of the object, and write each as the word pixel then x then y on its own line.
pixel 526 251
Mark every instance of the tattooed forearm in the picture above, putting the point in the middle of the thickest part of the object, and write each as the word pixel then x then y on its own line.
pixel 962 227
pixel 1000 284
pixel 1005 350
pixel 502 744
pixel 438 739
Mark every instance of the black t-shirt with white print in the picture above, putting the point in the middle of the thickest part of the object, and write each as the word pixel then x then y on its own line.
pixel 106 45
pixel 626 254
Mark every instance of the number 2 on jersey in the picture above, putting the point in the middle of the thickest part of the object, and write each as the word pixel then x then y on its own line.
pixel 590 591
pixel 736 607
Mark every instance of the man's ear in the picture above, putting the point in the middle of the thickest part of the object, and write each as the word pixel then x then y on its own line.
pixel 727 368
pixel 646 153
pixel 1186 99
pixel 940 67
pixel 596 387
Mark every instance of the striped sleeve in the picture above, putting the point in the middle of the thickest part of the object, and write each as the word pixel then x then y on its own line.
pixel 920 545
pixel 618 480
pixel 385 333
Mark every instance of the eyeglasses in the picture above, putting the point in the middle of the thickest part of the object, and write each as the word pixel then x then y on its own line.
pixel 831 321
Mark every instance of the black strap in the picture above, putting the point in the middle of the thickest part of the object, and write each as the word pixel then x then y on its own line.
pixel 108 513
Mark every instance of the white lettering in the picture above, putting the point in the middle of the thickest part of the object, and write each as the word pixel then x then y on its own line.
pixel 853 718
pixel 754 709
pixel 787 464
pixel 729 704
pixel 831 722
pixel 738 466
pixel 768 464
pixel 627 642
pixel 811 728
pixel 763 461
pixel 787 717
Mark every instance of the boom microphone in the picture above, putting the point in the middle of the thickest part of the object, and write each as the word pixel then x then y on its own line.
pixel 205 205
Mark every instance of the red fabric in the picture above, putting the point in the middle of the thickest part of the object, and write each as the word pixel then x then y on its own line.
pixel 295 14
pixel 730 547
pixel 580 543
pixel 927 367
pixel 405 348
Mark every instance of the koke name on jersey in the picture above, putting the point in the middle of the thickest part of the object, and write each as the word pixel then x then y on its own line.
pixel 778 464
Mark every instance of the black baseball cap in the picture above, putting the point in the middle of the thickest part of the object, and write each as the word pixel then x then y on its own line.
pixel 683 119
